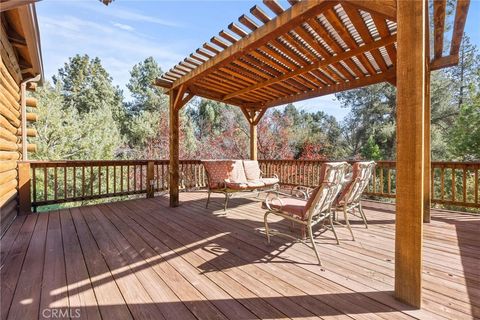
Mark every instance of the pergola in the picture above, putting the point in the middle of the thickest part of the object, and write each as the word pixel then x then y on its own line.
pixel 316 48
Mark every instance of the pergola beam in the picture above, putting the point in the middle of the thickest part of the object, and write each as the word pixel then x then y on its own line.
pixel 272 29
pixel 358 83
pixel 459 25
pixel 319 64
pixel 13 4
pixel 385 8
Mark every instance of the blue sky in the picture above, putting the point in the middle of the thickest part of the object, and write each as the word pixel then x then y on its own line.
pixel 127 31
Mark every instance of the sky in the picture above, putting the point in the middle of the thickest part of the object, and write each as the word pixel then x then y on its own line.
pixel 128 31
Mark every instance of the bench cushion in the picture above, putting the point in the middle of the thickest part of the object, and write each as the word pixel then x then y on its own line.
pixel 249 185
pixel 217 171
pixel 292 206
pixel 252 169
pixel 270 181
pixel 237 173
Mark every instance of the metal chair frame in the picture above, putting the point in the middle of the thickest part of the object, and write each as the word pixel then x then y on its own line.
pixel 319 211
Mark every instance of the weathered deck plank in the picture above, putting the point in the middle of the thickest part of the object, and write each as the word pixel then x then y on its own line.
pixel 141 259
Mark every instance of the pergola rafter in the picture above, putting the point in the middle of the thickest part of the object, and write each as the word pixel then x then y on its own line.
pixel 316 48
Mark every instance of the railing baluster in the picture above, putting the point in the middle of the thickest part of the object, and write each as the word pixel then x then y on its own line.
pixel 464 185
pixel 114 179
pixel 34 178
pixel 83 181
pixel 91 180
pixel 99 179
pixel 65 191
pixel 454 187
pixel 128 177
pixel 389 181
pixel 45 183
pixel 121 178
pixel 442 183
pixel 381 180
pixel 106 184
pixel 55 184
pixel 74 181
pixel 475 185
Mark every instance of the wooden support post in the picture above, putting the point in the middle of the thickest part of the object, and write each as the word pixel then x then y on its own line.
pixel 174 165
pixel 427 192
pixel 253 141
pixel 411 35
pixel 177 101
pixel 253 117
pixel 150 179
pixel 24 197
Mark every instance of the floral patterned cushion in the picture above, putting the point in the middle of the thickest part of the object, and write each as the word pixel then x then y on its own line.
pixel 218 171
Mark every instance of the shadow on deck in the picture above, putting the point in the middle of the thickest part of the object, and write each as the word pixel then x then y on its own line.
pixel 144 260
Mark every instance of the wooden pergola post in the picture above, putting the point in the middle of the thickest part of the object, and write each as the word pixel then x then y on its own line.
pixel 427 187
pixel 177 101
pixel 253 141
pixel 253 117
pixel 411 87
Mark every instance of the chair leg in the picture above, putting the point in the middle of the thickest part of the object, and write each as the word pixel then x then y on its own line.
pixel 364 217
pixel 267 229
pixel 333 229
pixel 314 247
pixel 345 215
pixel 226 202
pixel 208 199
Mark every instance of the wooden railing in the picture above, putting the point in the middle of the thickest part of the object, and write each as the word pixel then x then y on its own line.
pixel 52 182
pixel 452 183
pixel 44 183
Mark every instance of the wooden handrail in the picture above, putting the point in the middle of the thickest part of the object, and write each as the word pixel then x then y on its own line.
pixel 53 182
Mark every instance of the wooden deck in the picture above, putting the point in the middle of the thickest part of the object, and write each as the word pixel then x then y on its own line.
pixel 141 259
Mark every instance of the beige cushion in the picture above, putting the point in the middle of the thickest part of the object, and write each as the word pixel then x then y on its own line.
pixel 252 169
pixel 255 184
pixel 237 174
pixel 270 181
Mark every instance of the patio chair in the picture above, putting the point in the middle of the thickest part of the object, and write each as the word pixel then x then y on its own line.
pixel 349 198
pixel 312 211
pixel 232 176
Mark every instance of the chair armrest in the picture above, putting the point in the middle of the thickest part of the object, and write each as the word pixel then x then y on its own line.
pixel 273 176
pixel 269 200
pixel 301 191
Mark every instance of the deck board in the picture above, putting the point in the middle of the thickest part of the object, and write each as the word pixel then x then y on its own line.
pixel 141 259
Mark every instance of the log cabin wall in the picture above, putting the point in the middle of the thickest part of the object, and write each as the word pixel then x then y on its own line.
pixel 20 60
pixel 10 78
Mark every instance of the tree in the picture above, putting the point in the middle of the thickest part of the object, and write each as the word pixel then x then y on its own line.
pixel 371 150
pixel 372 114
pixel 465 143
pixel 87 86
pixel 65 134
pixel 146 96
pixel 274 136
pixel 221 130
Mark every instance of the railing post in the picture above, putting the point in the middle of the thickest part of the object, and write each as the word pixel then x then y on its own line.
pixel 24 197
pixel 150 179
